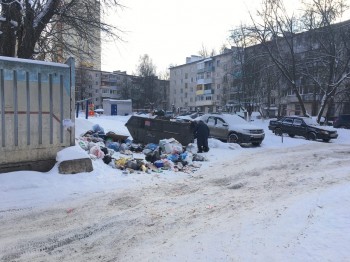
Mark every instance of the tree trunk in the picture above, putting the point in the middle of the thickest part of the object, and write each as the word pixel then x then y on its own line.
pixel 301 102
pixel 327 101
pixel 28 38
pixel 12 14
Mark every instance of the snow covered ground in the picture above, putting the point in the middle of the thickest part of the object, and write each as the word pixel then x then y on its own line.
pixel 283 201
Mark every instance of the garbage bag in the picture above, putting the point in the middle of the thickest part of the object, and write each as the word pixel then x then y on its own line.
pixel 98 129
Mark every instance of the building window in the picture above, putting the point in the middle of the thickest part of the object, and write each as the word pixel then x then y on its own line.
pixel 218 86
pixel 200 76
pixel 297 109
pixel 218 63
pixel 186 75
pixel 186 85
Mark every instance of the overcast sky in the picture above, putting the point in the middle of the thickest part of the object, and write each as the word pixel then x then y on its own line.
pixel 169 31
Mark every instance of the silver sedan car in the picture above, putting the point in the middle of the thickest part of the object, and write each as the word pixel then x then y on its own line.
pixel 233 129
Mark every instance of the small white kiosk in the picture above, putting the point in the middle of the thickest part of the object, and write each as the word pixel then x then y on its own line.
pixel 117 107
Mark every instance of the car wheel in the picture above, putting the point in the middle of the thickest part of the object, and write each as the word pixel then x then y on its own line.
pixel 291 135
pixel 256 143
pixel 311 136
pixel 326 140
pixel 232 138
pixel 278 132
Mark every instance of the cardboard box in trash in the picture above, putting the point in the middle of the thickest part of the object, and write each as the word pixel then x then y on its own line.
pixel 152 130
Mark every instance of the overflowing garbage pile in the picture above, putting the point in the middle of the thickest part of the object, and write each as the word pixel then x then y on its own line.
pixel 119 152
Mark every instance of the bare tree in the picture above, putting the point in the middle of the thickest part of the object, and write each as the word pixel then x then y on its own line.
pixel 203 52
pixel 276 32
pixel 244 70
pixel 146 72
pixel 165 75
pixel 328 62
pixel 83 84
pixel 126 87
pixel 40 28
pixel 223 49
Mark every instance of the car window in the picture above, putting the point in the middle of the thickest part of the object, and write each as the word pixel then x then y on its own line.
pixel 297 122
pixel 234 120
pixel 220 122
pixel 288 121
pixel 211 121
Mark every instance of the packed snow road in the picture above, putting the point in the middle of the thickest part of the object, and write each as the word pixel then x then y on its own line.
pixel 262 205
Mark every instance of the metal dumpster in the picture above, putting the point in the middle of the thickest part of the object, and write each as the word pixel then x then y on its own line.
pixel 151 130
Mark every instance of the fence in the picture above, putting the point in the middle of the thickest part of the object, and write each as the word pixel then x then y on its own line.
pixel 36 112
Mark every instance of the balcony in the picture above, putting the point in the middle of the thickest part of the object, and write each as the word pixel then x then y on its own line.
pixel 106 95
pixel 204 103
pixel 206 69
pixel 208 92
pixel 204 81
pixel 199 92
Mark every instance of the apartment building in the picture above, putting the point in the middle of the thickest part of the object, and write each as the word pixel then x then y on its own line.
pixel 97 85
pixel 202 84
pixel 249 80
pixel 313 68
pixel 87 53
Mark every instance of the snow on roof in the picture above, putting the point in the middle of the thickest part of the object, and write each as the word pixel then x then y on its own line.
pixel 38 62
pixel 115 100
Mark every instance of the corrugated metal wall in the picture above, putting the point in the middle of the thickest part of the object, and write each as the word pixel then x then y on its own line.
pixel 35 98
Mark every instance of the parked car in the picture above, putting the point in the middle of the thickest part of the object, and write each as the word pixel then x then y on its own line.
pixel 233 129
pixel 342 121
pixel 99 111
pixel 302 126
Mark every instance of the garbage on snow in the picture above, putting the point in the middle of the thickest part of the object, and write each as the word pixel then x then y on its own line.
pixel 120 152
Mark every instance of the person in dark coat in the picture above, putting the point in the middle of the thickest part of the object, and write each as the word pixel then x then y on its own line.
pixel 201 132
